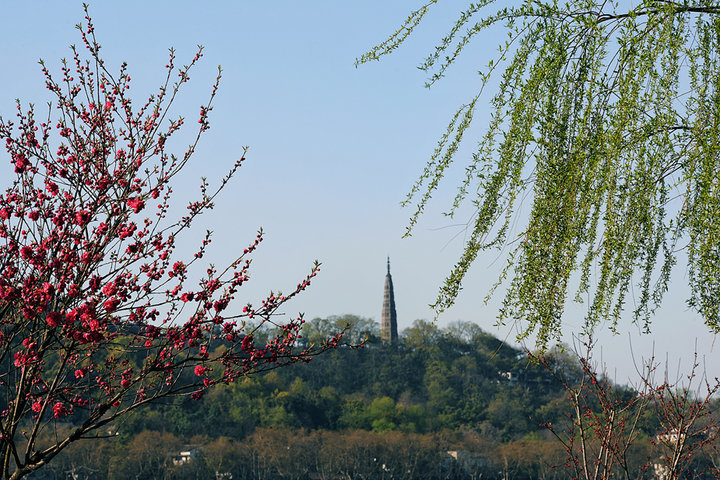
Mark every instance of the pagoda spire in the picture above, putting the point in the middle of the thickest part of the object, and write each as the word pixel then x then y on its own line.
pixel 389 332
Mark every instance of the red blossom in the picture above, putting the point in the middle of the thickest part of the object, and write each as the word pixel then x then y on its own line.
pixel 60 410
pixel 101 229
pixel 26 252
pixel 136 204
pixel 21 163
pixel 82 217
pixel 178 268
pixel 70 257
pixel 247 344
pixel 110 289
pixel 111 304
pixel 53 319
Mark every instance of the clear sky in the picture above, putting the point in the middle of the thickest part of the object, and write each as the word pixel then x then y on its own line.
pixel 333 150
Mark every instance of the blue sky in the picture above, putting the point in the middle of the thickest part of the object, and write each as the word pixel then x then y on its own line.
pixel 333 149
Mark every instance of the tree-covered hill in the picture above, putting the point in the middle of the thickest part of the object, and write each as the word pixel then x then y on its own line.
pixel 443 403
pixel 454 378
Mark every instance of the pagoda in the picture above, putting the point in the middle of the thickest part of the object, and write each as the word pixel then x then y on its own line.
pixel 389 331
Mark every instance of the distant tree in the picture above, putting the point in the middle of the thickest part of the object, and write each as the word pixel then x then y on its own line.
pixel 422 335
pixel 607 113
pixel 533 457
pixel 285 454
pixel 221 455
pixel 357 329
pixel 464 331
pixel 147 456
pixel 96 315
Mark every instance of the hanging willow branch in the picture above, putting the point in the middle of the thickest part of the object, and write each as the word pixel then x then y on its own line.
pixel 609 115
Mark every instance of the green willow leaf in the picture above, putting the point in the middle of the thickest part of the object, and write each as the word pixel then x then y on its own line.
pixel 608 116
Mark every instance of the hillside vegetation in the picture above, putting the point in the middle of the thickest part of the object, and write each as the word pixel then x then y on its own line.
pixel 443 403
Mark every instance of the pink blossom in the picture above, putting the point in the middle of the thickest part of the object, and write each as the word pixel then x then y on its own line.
pixel 178 268
pixel 247 343
pixel 60 410
pixel 111 304
pixel 21 163
pixel 53 319
pixel 136 204
pixel 82 217
pixel 110 289
pixel 26 252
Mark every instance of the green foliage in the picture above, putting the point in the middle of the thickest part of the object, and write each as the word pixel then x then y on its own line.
pixel 356 328
pixel 435 379
pixel 608 115
pixel 408 406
